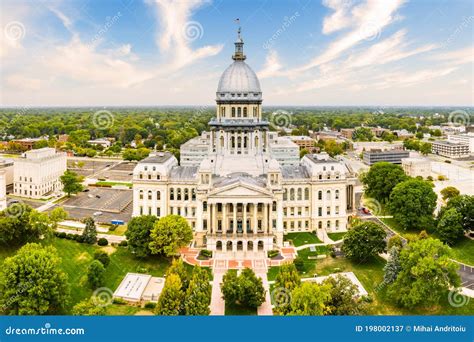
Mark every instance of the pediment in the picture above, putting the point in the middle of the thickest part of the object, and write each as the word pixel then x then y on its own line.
pixel 240 190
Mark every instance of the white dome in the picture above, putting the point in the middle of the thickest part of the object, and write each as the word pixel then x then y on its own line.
pixel 239 78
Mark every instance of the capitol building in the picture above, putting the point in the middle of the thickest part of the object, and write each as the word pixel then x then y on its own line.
pixel 240 186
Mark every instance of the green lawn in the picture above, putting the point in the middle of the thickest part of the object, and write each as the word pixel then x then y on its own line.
pixel 107 183
pixel 303 238
pixel 370 274
pixel 336 236
pixel 126 310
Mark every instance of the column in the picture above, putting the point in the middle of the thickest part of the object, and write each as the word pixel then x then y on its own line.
pixel 244 221
pixel 255 229
pixel 265 217
pixel 269 218
pixel 279 216
pixel 234 226
pixel 224 217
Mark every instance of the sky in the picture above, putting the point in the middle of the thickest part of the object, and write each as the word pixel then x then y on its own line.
pixel 172 52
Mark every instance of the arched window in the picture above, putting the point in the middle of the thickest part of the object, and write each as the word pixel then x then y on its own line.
pixel 306 194
pixel 320 195
pixel 171 194
pixel 239 112
pixel 140 194
pixel 186 194
pixel 300 194
pixel 245 112
pixel 285 194
pixel 193 194
pixel 292 194
pixel 328 195
pixel 337 194
pixel 233 112
pixel 178 194
pixel 149 194
pixel 158 195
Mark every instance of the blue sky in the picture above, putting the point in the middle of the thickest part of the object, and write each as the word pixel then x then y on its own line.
pixel 164 52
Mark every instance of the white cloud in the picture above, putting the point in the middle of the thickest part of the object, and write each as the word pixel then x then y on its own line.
pixel 338 20
pixel 457 57
pixel 272 66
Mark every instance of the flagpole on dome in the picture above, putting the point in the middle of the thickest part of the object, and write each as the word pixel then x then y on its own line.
pixel 239 45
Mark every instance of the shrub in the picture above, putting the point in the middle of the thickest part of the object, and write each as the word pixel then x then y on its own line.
pixel 150 305
pixel 119 301
pixel 123 243
pixel 113 228
pixel 102 242
pixel 103 257
pixel 299 263
pixel 70 236
pixel 206 253
pixel 273 253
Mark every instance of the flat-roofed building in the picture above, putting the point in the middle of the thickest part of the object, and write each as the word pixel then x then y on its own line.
pixel 417 167
pixel 467 138
pixel 450 149
pixel 37 173
pixel 393 156
pixel 303 141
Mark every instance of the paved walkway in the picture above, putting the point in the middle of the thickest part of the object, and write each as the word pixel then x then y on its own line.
pixel 266 308
pixel 217 303
pixel 109 237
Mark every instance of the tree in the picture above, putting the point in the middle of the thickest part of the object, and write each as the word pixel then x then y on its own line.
pixel 177 267
pixel 89 234
pixel 381 179
pixel 395 241
pixel 57 215
pixel 333 148
pixel 103 257
pixel 364 241
pixel 344 299
pixel 310 299
pixel 286 281
pixel 426 274
pixel 198 294
pixel 170 302
pixel 412 204
pixel 464 204
pixel 449 192
pixel 138 234
pixel 95 274
pixel 363 134
pixel 169 234
pixel 71 183
pixel 246 289
pixel 450 228
pixel 87 307
pixel 32 282
pixel 392 267
pixel 20 224
pixel 425 148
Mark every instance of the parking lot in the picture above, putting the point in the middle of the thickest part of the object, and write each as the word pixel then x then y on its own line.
pixel 101 199
pixel 122 171
pixel 113 170
pixel 88 167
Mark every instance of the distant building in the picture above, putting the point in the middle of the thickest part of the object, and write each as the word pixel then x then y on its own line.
pixel 28 143
pixel 105 143
pixel 416 167
pixel 37 174
pixel 450 149
pixel 326 135
pixel 403 134
pixel 303 141
pixel 379 131
pixel 3 190
pixel 393 156
pixel 7 166
pixel 467 138
pixel 347 132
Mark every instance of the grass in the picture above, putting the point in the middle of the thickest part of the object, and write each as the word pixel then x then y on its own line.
pixel 370 274
pixel 126 310
pixel 336 236
pixel 303 238
pixel 120 230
